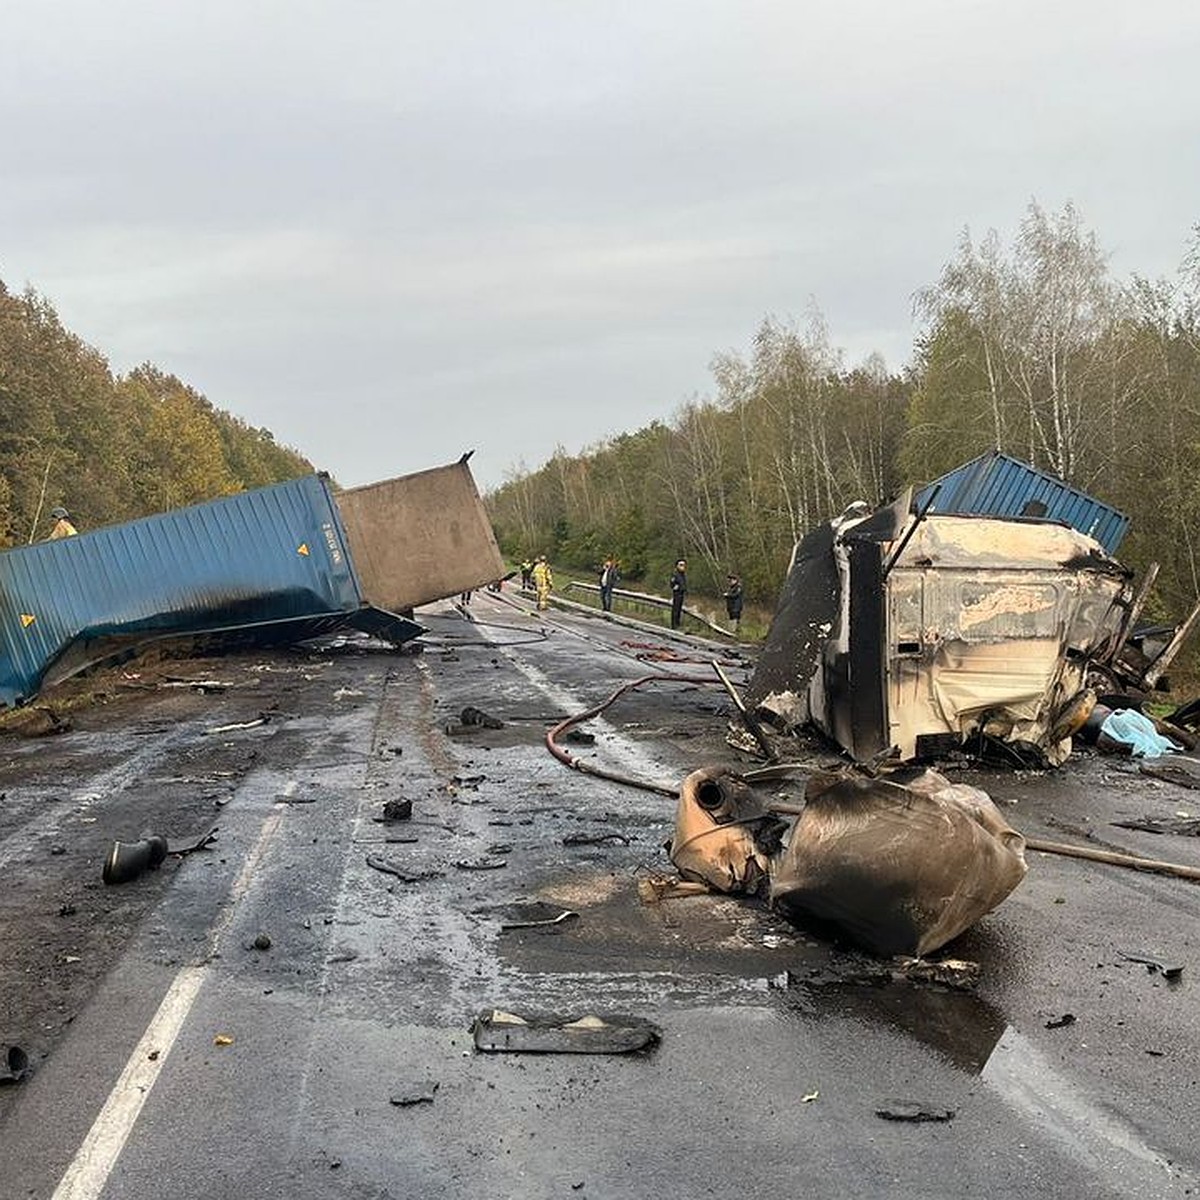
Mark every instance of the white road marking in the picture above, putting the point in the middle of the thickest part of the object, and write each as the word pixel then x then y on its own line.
pixel 97 1156
pixel 95 1159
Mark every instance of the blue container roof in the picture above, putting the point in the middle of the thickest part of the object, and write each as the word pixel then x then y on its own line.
pixel 997 485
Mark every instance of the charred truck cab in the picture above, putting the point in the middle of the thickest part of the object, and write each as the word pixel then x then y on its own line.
pixel 906 635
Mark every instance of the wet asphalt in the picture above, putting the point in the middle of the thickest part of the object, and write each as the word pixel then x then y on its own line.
pixel 778 1046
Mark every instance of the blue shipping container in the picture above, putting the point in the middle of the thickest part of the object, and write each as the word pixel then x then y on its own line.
pixel 996 485
pixel 274 560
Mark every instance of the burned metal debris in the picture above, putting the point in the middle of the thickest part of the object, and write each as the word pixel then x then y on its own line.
pixel 497 1031
pixel 901 865
pixel 126 861
pixel 906 635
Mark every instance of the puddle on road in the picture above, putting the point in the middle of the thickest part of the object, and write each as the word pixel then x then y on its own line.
pixel 958 1025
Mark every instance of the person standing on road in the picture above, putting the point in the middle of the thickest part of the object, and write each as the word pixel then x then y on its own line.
pixel 62 525
pixel 609 578
pixel 733 601
pixel 678 592
pixel 526 574
pixel 543 581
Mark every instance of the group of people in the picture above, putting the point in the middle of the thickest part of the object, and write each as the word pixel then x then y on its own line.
pixel 536 576
pixel 732 595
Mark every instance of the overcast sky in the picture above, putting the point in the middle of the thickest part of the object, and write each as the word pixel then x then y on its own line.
pixel 393 231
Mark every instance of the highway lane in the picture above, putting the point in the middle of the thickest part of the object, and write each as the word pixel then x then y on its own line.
pixel 775 1053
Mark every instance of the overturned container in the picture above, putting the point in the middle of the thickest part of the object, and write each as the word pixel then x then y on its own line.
pixel 906 634
pixel 275 564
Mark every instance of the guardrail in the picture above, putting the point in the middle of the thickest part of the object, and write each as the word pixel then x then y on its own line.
pixel 653 602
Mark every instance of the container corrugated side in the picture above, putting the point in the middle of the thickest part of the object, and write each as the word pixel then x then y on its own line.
pixel 274 554
pixel 998 485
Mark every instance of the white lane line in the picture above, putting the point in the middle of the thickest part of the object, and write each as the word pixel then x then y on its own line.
pixel 94 1160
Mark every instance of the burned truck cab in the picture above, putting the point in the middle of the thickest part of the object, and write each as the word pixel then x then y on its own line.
pixel 909 635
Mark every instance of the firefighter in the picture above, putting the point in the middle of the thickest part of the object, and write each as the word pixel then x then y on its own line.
pixel 543 580
pixel 62 525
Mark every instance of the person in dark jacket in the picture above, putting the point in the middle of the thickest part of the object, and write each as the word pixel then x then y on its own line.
pixel 609 578
pixel 678 592
pixel 733 601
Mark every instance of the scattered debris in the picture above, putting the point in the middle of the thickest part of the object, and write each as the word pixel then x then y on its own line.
pixel 1184 826
pixel 497 1031
pixel 262 941
pixel 261 719
pixel 387 868
pixel 416 1093
pixel 1168 970
pixel 470 782
pixel 530 914
pixel 127 860
pixel 809 1097
pixel 949 972
pixel 476 716
pixel 913 1111
pixel 652 889
pixel 580 737
pixel 1172 772
pixel 397 810
pixel 222 1039
pixel 14 1064
pixel 1180 870
pixel 1061 1022
pixel 752 723
pixel 481 864
pixel 596 839
pixel 206 687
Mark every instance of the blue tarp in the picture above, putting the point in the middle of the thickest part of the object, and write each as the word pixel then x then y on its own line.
pixel 1131 729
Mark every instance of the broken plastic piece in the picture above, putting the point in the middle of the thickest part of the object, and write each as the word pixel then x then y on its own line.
pixel 497 1031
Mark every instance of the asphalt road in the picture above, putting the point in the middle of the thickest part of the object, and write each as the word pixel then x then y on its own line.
pixel 174 1057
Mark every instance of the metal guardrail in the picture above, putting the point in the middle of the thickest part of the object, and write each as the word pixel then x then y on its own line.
pixel 654 602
